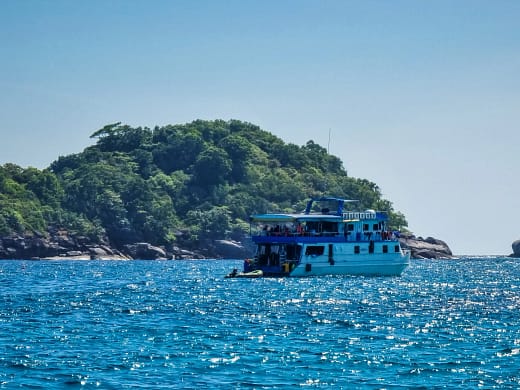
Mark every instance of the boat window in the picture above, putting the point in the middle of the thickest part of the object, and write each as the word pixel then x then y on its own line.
pixel 263 254
pixel 376 226
pixel 315 250
pixel 263 249
pixel 365 226
pixel 275 248
pixel 356 249
pixel 293 252
pixel 313 227
pixel 385 248
pixel 330 226
pixel 350 227
pixel 397 248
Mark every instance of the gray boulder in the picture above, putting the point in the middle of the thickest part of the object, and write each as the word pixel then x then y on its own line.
pixel 231 249
pixel 429 248
pixel 145 251
pixel 74 254
pixel 516 249
pixel 184 254
pixel 97 252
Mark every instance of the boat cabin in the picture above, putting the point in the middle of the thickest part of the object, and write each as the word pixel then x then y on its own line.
pixel 338 225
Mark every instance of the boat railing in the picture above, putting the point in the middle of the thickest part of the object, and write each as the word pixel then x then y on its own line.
pixel 293 239
pixel 378 235
pixel 305 234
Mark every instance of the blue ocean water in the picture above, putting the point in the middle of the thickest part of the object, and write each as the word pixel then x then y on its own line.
pixel 181 325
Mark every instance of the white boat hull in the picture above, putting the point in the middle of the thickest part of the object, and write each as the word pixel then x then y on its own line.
pixel 370 265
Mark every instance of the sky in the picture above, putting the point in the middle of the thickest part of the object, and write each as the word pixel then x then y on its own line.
pixel 420 97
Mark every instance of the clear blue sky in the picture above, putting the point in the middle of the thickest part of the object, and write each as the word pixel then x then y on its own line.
pixel 421 97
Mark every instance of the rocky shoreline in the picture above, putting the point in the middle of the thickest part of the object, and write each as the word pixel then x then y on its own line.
pixel 61 244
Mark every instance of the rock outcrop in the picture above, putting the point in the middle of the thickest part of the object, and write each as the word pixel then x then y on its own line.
pixel 146 251
pixel 425 248
pixel 62 244
pixel 229 249
pixel 516 249
pixel 58 244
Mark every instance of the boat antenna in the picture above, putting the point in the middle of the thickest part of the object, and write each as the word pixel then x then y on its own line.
pixel 328 152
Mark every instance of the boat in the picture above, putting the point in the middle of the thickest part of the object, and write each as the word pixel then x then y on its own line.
pixel 250 274
pixel 325 239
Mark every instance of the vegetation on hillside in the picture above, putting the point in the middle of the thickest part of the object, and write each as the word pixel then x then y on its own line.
pixel 177 184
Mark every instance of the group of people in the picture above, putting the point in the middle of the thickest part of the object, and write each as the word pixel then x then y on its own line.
pixel 284 230
pixel 301 229
pixel 387 235
pixel 276 230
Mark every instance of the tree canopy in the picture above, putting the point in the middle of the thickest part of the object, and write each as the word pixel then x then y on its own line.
pixel 199 180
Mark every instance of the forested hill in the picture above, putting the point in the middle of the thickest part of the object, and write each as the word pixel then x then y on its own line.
pixel 177 185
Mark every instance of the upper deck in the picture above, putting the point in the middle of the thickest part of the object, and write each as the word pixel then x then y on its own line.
pixel 329 224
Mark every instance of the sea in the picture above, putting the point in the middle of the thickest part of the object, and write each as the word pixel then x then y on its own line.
pixel 443 324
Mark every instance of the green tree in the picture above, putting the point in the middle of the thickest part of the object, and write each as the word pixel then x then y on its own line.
pixel 176 149
pixel 210 224
pixel 212 167
pixel 240 152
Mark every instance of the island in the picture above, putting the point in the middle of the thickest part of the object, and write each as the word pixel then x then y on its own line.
pixel 174 192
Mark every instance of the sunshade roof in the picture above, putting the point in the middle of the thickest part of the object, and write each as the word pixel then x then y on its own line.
pixel 273 218
pixel 282 218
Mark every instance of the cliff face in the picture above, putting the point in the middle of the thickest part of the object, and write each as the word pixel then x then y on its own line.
pixel 425 248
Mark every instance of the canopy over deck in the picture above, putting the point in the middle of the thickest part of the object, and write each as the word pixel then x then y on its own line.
pixel 323 213
pixel 339 204
pixel 278 218
pixel 288 218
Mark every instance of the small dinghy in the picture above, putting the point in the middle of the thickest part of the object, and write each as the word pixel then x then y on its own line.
pixel 252 274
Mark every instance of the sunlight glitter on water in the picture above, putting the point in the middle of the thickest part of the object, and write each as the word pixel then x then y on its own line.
pixel 181 325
